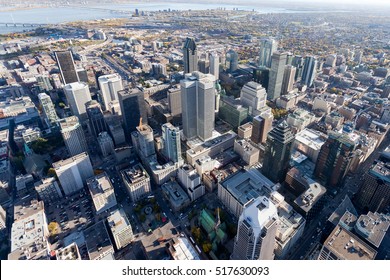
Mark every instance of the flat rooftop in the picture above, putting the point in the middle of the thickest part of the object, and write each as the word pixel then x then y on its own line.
pixel 177 196
pixel 118 221
pixel 346 245
pixel 135 174
pixel 70 160
pixel 97 240
pixel 373 227
pixel 181 249
pixel 70 252
pixel 313 194
pixel 99 185
pixel 245 185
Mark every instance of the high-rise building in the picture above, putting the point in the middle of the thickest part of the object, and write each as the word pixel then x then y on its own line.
pixel 132 105
pixel 98 242
pixel 267 48
pixel 120 228
pixel 116 130
pixel 204 66
pixel 44 83
pixel 137 182
pixel 73 135
pixel 66 64
pixel 97 122
pixel 277 152
pixel 297 62
pixel 48 190
pixel 102 192
pixel 78 95
pixel 278 62
pixel 171 142
pixel 73 172
pixel 106 144
pixel 309 70
pixel 174 101
pixel 190 56
pixel 261 126
pixel 214 65
pixel 253 96
pixel 109 86
pixel 231 61
pixel 143 141
pixel 334 159
pixel 288 79
pixel 374 193
pixel 3 219
pixel 198 104
pixel 257 226
pixel 48 109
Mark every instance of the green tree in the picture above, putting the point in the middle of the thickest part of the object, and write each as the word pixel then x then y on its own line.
pixel 51 172
pixel 206 246
pixel 53 228
pixel 196 232
pixel 142 218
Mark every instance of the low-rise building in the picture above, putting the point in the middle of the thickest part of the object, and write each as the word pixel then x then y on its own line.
pixel 181 249
pixel 70 252
pixel 176 196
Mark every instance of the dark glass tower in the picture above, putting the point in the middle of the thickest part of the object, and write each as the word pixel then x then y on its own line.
pixel 132 103
pixel 96 118
pixel 190 56
pixel 334 159
pixel 277 153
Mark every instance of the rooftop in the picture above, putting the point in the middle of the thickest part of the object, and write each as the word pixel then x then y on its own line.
pixel 245 185
pixel 135 174
pixel 346 245
pixel 311 138
pixel 70 252
pixel 97 241
pixel 117 221
pixel 315 191
pixel 70 160
pixel 99 185
pixel 177 196
pixel 181 249
pixel 373 227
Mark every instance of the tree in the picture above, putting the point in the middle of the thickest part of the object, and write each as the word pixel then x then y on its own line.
pixel 196 232
pixel 53 228
pixel 142 218
pixel 206 246
pixel 51 172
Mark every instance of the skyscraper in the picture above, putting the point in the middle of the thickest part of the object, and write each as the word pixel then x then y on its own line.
pixel 73 135
pixel 77 95
pixel 97 123
pixel 143 141
pixel 106 144
pixel 253 96
pixel 198 104
pixel 109 86
pixel 334 159
pixel 73 172
pixel 171 142
pixel 277 152
pixel 297 62
pixel 374 193
pixel 261 126
pixel 214 65
pixel 132 105
pixel 231 60
pixel 288 79
pixel 190 56
pixel 66 64
pixel 309 70
pixel 267 48
pixel 48 109
pixel 257 225
pixel 278 62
